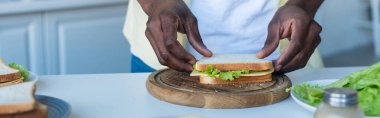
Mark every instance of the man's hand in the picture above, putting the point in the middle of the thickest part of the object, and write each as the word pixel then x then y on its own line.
pixel 294 21
pixel 166 18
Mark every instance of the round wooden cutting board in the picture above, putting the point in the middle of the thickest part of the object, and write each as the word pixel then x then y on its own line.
pixel 182 89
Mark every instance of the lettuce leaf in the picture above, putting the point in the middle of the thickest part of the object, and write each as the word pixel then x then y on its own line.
pixel 366 82
pixel 224 75
pixel 313 94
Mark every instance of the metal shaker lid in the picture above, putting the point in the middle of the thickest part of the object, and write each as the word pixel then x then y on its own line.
pixel 340 97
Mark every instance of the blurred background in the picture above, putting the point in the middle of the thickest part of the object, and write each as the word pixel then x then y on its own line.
pixel 85 36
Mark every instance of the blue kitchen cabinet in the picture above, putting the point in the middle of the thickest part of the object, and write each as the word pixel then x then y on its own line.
pixel 64 36
pixel 21 41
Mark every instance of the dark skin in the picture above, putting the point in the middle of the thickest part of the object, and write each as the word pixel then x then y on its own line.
pixel 294 21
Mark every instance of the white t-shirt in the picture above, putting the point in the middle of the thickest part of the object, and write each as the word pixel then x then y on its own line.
pixel 226 26
pixel 233 26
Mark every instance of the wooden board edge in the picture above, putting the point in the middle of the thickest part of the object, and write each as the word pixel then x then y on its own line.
pixel 186 97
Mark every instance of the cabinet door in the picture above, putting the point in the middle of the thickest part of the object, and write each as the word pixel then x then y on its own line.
pixel 21 41
pixel 88 40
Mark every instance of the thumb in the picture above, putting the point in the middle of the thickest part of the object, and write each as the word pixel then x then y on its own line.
pixel 195 38
pixel 271 43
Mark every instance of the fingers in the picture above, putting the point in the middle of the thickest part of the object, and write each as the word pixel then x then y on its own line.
pixel 170 34
pixel 296 44
pixel 167 58
pixel 180 53
pixel 154 45
pixel 162 34
pixel 302 58
pixel 157 37
pixel 194 37
pixel 311 42
pixel 272 41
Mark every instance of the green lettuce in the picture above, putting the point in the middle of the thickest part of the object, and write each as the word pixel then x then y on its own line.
pixel 366 82
pixel 23 71
pixel 313 94
pixel 224 75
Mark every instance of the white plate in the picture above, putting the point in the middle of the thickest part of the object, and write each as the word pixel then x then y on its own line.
pixel 303 103
pixel 33 77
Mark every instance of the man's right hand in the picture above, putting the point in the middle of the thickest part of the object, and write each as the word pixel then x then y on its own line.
pixel 166 18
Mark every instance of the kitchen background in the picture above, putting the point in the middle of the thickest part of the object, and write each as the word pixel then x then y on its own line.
pixel 85 36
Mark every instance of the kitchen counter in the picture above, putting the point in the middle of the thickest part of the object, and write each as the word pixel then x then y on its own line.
pixel 124 96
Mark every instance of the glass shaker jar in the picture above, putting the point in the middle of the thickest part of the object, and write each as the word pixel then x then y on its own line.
pixel 339 103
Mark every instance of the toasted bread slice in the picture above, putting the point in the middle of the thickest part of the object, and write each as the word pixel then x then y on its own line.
pixel 17 98
pixel 240 80
pixel 2 84
pixel 7 73
pixel 40 111
pixel 229 62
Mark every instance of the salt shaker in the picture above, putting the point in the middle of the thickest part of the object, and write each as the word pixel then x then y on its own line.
pixel 339 103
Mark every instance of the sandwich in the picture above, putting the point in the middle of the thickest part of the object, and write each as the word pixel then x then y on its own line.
pixel 233 69
pixel 17 101
pixel 12 74
pixel 17 95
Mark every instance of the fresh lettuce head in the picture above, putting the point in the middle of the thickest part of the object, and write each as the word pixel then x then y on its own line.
pixel 366 82
pixel 23 71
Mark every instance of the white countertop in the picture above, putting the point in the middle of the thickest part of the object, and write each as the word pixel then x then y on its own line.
pixel 125 96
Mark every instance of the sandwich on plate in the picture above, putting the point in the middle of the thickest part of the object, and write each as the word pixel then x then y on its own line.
pixel 17 101
pixel 17 95
pixel 233 69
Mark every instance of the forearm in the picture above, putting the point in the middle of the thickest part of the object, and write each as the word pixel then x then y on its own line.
pixel 311 6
